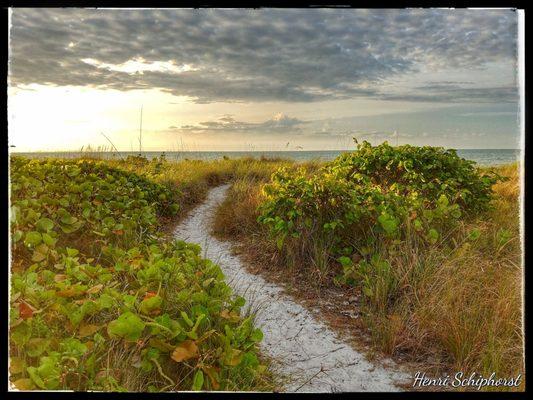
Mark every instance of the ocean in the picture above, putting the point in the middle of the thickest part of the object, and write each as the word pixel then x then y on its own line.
pixel 484 157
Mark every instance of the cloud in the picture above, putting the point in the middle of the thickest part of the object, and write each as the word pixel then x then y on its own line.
pixel 492 119
pixel 258 55
pixel 279 123
pixel 453 93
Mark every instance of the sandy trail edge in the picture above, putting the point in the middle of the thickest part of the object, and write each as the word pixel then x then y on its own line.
pixel 300 344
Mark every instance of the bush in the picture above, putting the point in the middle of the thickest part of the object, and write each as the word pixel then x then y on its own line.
pixel 377 193
pixel 101 301
pixel 431 172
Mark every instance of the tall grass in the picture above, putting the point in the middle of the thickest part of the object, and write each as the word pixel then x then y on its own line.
pixel 193 178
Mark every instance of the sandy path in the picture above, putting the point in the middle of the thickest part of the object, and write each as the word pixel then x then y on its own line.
pixel 305 349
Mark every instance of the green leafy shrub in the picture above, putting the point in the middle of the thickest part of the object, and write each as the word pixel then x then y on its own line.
pixel 101 301
pixel 376 193
pixel 431 172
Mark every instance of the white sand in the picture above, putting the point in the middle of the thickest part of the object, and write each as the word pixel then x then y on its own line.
pixel 304 349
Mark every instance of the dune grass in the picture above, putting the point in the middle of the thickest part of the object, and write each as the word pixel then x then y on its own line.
pixel 452 306
pixel 193 178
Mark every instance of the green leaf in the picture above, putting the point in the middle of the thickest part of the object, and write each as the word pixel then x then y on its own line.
pixel 345 261
pixel 153 353
pixel 167 322
pixel 150 304
pixel 105 301
pixel 367 291
pixel 15 214
pixel 433 236
pixel 198 381
pixel 187 319
pixel 17 236
pixel 34 375
pixel 47 375
pixel 72 252
pixel 280 240
pixel 443 201
pixel 37 346
pixel 74 347
pixel 174 208
pixel 40 253
pixel 239 301
pixel 128 326
pixel 68 219
pixel 44 224
pixel 207 282
pixel 199 319
pixel 129 300
pixel 69 228
pixel 474 234
pixel 20 334
pixel 33 238
pixel 257 335
pixel 49 240
pixel 388 223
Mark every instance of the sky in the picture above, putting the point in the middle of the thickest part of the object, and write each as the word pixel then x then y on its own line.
pixel 264 79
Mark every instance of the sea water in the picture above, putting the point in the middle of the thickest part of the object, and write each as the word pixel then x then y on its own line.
pixel 480 156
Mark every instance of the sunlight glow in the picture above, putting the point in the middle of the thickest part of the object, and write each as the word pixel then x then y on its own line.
pixel 139 65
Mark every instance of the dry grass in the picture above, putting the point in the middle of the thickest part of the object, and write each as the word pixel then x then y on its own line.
pixel 194 178
pixel 237 215
pixel 236 222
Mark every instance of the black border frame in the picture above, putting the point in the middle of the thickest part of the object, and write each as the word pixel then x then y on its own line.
pixel 267 4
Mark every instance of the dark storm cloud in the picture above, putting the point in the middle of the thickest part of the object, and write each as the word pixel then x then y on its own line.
pixel 258 55
pixel 280 123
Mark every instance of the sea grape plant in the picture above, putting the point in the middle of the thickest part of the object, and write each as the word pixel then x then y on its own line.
pixel 101 301
pixel 429 171
pixel 375 194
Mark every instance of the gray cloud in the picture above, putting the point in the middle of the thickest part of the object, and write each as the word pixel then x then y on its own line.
pixel 279 123
pixel 455 93
pixel 261 55
pixel 495 121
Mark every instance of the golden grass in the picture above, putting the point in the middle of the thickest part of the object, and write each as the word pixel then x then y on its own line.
pixel 193 178
pixel 460 305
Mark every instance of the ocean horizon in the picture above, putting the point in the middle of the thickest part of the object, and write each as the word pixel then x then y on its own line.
pixel 480 156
